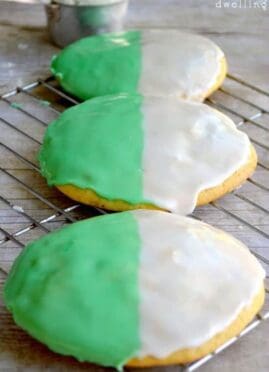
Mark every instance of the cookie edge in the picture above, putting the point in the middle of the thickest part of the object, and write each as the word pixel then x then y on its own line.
pixel 89 197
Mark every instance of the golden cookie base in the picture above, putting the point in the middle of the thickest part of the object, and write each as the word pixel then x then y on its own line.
pixel 220 78
pixel 188 355
pixel 89 197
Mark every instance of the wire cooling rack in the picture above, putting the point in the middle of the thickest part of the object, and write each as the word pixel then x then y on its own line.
pixel 30 209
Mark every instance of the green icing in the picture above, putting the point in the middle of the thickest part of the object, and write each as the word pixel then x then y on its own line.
pixel 100 65
pixel 76 289
pixel 16 105
pixel 98 145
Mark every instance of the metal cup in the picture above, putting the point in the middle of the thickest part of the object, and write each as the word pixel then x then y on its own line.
pixel 70 22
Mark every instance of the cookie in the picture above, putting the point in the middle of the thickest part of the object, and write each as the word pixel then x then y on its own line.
pixel 150 62
pixel 126 151
pixel 140 288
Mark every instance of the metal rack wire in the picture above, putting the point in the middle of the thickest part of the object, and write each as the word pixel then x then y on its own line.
pixel 43 100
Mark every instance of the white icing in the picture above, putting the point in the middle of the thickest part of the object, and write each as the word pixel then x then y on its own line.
pixel 188 147
pixel 178 64
pixel 194 280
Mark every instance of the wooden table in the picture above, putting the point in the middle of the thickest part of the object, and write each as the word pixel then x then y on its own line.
pixel 25 55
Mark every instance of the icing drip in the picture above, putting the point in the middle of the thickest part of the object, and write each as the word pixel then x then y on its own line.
pixel 188 147
pixel 194 280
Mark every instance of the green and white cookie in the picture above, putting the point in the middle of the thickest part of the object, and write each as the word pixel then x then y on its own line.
pixel 150 62
pixel 134 285
pixel 127 151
